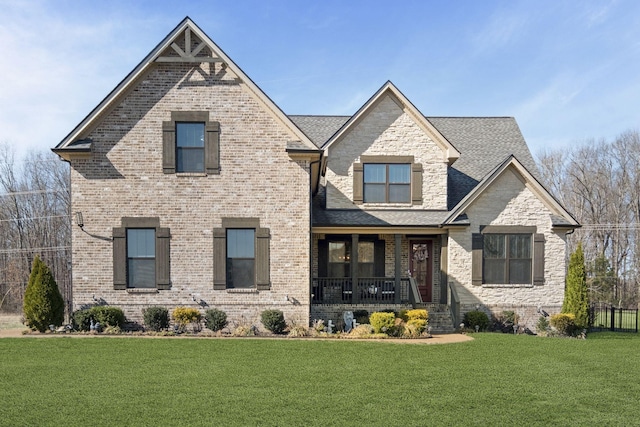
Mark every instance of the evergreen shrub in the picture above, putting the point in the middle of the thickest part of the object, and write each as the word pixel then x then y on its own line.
pixel 273 320
pixel 107 316
pixel 382 322
pixel 43 304
pixel 565 323
pixel 156 318
pixel 215 319
pixel 476 317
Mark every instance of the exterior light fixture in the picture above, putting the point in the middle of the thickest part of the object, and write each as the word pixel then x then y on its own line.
pixel 79 219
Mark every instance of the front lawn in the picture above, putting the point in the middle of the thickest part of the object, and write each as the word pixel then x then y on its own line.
pixel 494 380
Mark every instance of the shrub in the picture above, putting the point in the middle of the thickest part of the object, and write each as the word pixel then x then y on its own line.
pixel 542 325
pixel 215 319
pixel 414 328
pixel 273 320
pixel 186 315
pixel 418 314
pixel 156 318
pixel 105 315
pixel 564 323
pixel 361 331
pixel 476 317
pixel 576 295
pixel 298 331
pixel 382 321
pixel 361 316
pixel 43 303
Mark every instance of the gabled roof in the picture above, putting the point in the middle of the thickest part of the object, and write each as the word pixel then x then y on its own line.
pixel 561 217
pixel 169 50
pixel 450 152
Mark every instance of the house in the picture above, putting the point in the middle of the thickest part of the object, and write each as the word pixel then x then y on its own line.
pixel 192 188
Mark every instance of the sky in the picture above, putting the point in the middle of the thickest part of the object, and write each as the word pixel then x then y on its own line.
pixel 568 71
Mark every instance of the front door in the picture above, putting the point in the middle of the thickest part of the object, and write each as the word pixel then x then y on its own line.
pixel 420 266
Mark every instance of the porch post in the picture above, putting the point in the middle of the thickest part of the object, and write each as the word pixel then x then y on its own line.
pixel 355 298
pixel 398 266
pixel 444 266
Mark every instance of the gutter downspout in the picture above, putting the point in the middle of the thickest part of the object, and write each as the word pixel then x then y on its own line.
pixel 311 163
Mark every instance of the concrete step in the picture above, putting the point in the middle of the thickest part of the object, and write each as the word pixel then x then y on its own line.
pixel 440 319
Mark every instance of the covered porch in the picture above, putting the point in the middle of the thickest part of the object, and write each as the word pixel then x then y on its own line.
pixel 381 269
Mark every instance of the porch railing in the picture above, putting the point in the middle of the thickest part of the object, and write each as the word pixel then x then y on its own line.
pixel 368 290
pixel 454 303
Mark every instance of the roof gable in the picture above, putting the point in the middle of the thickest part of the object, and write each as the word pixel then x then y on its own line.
pixel 185 43
pixel 450 153
pixel 511 163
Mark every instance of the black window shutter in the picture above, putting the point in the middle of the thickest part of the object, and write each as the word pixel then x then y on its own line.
pixel 219 258
pixel 378 256
pixel 477 245
pixel 168 147
pixel 119 258
pixel 212 148
pixel 358 180
pixel 262 259
pixel 538 259
pixel 323 258
pixel 163 259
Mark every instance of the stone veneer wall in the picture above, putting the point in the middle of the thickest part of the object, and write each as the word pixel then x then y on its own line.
pixel 386 130
pixel 124 178
pixel 509 202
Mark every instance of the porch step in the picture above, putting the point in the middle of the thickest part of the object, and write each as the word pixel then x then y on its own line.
pixel 440 318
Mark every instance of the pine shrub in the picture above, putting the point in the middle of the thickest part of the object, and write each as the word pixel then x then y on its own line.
pixel 576 296
pixel 215 319
pixel 273 320
pixel 43 303
pixel 156 318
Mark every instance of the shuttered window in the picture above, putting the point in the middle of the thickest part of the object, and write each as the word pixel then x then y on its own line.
pixel 241 254
pixel 387 179
pixel 508 258
pixel 190 143
pixel 141 254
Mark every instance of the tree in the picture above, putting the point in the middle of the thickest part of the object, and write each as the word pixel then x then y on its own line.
pixel 43 303
pixel 576 297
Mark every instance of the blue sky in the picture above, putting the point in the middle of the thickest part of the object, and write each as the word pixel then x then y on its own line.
pixel 568 71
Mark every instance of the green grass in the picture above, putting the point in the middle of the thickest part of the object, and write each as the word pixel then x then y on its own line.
pixel 494 380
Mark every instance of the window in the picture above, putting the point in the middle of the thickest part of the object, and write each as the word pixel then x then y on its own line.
pixel 189 147
pixel 141 258
pixel 240 258
pixel 507 255
pixel 335 257
pixel 141 254
pixel 387 183
pixel 387 179
pixel 241 255
pixel 190 143
pixel 507 258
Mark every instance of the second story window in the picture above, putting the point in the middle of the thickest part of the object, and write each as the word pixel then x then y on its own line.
pixel 387 183
pixel 190 147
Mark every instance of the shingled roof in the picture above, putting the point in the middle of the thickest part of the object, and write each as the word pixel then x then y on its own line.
pixel 483 143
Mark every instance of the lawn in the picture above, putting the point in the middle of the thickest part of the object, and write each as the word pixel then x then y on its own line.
pixel 494 380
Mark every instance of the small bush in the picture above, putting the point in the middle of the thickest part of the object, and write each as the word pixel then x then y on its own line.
pixel 107 316
pixel 415 327
pixel 542 325
pixel 156 318
pixel 361 331
pixel 298 331
pixel 382 321
pixel 505 321
pixel 273 320
pixel 187 315
pixel 418 314
pixel 564 323
pixel 215 319
pixel 361 316
pixel 476 317
pixel 244 331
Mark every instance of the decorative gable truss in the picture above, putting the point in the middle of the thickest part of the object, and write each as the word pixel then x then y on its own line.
pixel 191 49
